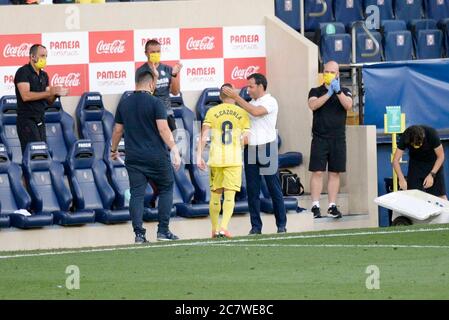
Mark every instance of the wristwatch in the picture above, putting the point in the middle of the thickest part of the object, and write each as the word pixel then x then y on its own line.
pixel 113 150
pixel 174 75
pixel 339 92
pixel 433 174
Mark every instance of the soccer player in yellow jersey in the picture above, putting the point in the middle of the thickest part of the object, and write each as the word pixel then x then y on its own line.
pixel 229 126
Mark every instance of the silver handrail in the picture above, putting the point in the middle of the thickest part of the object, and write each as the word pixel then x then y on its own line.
pixel 322 12
pixel 301 16
pixel 354 39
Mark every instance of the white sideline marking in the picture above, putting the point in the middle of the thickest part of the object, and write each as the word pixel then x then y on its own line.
pixel 219 242
pixel 405 246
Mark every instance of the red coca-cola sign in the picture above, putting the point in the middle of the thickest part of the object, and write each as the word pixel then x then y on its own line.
pixel 201 43
pixel 107 46
pixel 238 70
pixel 14 49
pixel 75 77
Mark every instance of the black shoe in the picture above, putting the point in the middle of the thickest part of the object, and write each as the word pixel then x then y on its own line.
pixel 254 231
pixel 166 236
pixel 316 212
pixel 140 238
pixel 333 211
pixel 282 230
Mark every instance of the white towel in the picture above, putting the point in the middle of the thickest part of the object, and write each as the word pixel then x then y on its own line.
pixel 23 212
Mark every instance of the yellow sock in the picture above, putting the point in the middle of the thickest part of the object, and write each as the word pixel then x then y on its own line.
pixel 228 208
pixel 214 209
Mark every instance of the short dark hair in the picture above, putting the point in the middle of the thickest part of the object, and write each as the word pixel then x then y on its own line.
pixel 414 135
pixel 34 47
pixel 151 42
pixel 145 76
pixel 259 79
pixel 222 95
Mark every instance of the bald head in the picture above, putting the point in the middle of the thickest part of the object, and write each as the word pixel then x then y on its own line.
pixel 331 67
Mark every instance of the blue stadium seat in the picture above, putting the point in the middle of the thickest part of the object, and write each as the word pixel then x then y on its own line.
pixel 429 44
pixel 91 189
pixel 392 25
pixel 366 45
pixel 398 46
pixel 288 11
pixel 289 159
pixel 444 26
pixel 60 131
pixel 385 8
pixel 266 204
pixel 177 101
pixel 348 11
pixel 408 10
pixel 336 47
pixel 244 94
pixel 422 24
pixel 437 9
pixel 14 196
pixel 314 7
pixel 94 121
pixel 8 130
pixel 49 194
pixel 209 97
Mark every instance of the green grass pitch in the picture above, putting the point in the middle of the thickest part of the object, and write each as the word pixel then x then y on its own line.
pixel 413 263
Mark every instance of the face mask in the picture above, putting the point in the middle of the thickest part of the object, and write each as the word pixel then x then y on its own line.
pixel 41 63
pixel 328 77
pixel 155 57
pixel 416 146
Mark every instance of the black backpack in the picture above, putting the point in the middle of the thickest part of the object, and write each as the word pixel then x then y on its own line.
pixel 291 184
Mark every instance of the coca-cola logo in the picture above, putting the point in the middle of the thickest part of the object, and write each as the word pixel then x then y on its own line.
pixel 206 43
pixel 70 80
pixel 20 51
pixel 115 47
pixel 243 74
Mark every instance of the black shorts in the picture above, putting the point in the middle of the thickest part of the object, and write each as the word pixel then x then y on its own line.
pixel 416 175
pixel 30 130
pixel 328 153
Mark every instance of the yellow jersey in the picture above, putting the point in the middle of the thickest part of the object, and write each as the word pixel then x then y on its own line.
pixel 227 123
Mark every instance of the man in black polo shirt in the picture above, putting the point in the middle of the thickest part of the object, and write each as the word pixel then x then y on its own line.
pixel 166 76
pixel 143 119
pixel 33 96
pixel 329 104
pixel 426 158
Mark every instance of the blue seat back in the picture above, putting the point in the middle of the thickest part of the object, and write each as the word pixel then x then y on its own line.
pixel 94 121
pixel 393 25
pixel 336 47
pixel 8 130
pixel 366 45
pixel 209 97
pixel 45 179
pixel 408 10
pixel 88 176
pixel 13 195
pixel 244 94
pixel 348 11
pixel 59 126
pixel 437 9
pixel 422 24
pixel 385 8
pixel 288 11
pixel 398 46
pixel 429 44
pixel 184 184
pixel 312 7
pixel 177 101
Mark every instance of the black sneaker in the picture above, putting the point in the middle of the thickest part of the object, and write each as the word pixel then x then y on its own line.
pixel 333 211
pixel 166 236
pixel 140 238
pixel 254 231
pixel 316 212
pixel 282 230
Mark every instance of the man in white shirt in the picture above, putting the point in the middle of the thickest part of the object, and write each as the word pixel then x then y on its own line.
pixel 261 157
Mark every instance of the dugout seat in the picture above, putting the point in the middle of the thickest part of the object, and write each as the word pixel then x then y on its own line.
pixel 94 121
pixel 348 11
pixel 366 45
pixel 91 188
pixel 408 10
pixel 14 196
pixel 385 8
pixel 437 9
pixel 392 25
pixel 49 194
pixel 209 98
pixel 336 47
pixel 266 204
pixel 316 12
pixel 422 24
pixel 60 131
pixel 8 130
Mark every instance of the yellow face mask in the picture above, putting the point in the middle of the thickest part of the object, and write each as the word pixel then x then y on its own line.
pixel 155 57
pixel 328 77
pixel 416 146
pixel 41 63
